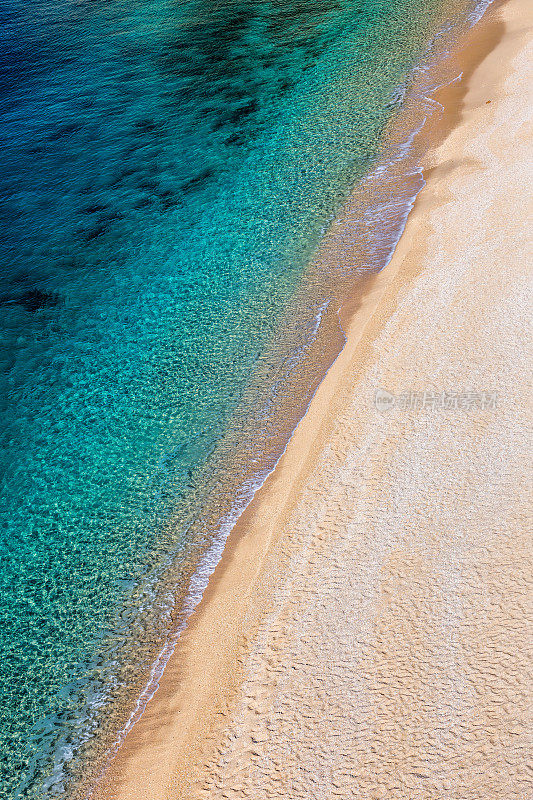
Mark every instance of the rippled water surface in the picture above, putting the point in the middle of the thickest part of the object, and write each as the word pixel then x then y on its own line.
pixel 167 170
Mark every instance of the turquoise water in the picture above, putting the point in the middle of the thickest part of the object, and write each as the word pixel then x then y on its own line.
pixel 168 169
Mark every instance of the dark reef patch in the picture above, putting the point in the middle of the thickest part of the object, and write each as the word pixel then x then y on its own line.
pixel 198 181
pixel 32 300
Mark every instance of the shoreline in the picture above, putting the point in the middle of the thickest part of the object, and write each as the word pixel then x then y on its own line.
pixel 219 618
pixel 225 504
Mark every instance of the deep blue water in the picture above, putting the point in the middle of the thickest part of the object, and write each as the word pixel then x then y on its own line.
pixel 167 170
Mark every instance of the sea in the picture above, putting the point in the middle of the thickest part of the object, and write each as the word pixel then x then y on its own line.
pixel 168 172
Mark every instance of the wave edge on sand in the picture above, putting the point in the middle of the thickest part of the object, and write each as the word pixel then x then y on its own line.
pixel 137 763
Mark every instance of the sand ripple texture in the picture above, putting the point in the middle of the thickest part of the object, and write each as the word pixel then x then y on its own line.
pixel 394 659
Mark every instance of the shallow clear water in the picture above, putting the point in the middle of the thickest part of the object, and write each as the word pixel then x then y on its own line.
pixel 168 169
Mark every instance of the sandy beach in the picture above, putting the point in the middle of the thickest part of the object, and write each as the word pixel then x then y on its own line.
pixel 366 633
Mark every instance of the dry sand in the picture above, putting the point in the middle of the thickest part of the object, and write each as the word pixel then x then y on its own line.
pixel 366 633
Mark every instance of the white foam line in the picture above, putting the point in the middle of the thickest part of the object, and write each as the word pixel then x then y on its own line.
pixel 201 577
pixel 213 555
pixel 211 558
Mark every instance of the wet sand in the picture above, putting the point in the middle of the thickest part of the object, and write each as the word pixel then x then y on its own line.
pixel 366 632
